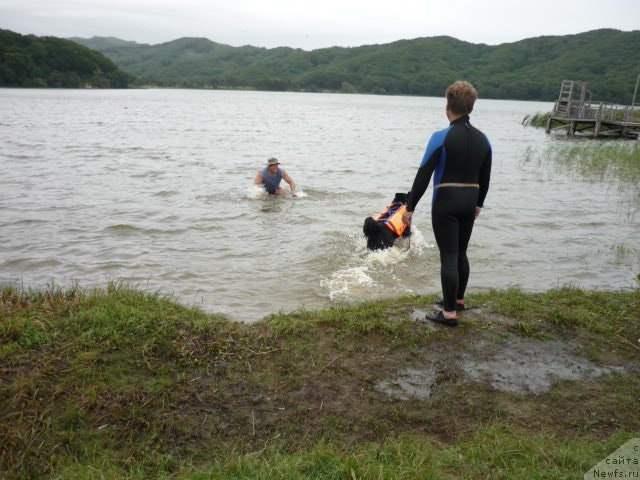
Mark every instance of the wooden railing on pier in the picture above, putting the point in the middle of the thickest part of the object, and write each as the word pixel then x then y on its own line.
pixel 579 115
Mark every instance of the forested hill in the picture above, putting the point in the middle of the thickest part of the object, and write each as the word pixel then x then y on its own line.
pixel 30 61
pixel 531 69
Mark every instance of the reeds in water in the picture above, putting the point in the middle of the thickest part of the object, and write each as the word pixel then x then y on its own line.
pixel 616 161
pixel 536 120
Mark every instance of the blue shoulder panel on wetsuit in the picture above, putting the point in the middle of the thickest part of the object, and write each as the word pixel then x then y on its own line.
pixel 436 141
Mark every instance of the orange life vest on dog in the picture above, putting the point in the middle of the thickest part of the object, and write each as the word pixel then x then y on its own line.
pixel 392 218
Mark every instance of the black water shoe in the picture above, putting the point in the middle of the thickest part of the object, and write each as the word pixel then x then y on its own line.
pixel 460 307
pixel 439 317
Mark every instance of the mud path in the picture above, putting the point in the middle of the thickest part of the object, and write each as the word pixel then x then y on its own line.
pixel 362 387
pixel 507 363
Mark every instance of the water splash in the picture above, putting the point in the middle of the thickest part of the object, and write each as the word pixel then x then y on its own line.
pixel 402 250
pixel 254 192
pixel 370 273
pixel 348 283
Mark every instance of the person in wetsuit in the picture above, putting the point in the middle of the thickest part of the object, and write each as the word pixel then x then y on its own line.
pixel 459 158
pixel 271 176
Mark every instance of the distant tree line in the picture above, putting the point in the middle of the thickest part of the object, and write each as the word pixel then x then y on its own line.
pixel 532 69
pixel 31 61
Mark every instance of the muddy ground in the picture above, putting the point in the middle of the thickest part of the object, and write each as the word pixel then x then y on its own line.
pixel 368 387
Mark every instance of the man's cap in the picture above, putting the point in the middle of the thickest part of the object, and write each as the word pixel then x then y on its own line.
pixel 273 161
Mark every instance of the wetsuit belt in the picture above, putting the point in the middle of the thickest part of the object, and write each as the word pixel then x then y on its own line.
pixel 476 185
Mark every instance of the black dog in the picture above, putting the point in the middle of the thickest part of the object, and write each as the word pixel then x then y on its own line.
pixel 382 229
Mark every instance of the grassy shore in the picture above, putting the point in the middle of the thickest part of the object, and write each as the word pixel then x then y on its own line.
pixel 122 383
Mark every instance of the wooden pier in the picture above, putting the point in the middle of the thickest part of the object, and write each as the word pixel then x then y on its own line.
pixel 575 112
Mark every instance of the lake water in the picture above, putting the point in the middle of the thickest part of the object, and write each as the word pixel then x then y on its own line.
pixel 153 187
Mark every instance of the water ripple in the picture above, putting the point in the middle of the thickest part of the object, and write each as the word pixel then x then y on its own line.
pixel 108 185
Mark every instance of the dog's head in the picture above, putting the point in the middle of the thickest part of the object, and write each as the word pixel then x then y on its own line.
pixel 377 234
pixel 401 198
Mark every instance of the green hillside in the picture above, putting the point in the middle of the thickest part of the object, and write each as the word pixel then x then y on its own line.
pixel 30 61
pixel 531 69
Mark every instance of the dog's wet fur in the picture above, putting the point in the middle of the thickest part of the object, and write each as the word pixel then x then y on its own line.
pixel 380 237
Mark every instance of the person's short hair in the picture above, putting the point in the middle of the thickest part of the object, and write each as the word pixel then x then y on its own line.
pixel 460 97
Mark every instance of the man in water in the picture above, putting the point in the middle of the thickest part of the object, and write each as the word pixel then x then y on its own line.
pixel 270 177
pixel 459 157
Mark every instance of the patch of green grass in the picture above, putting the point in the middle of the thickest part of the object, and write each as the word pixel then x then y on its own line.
pixel 76 361
pixel 373 317
pixel 496 451
pixel 569 308
pixel 123 383
pixel 606 321
pixel 119 318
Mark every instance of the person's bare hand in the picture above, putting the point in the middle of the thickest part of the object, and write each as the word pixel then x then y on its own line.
pixel 406 217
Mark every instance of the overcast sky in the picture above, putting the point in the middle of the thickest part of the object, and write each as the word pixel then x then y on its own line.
pixel 315 24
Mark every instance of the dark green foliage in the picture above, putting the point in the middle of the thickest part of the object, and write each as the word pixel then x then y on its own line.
pixel 531 69
pixel 30 61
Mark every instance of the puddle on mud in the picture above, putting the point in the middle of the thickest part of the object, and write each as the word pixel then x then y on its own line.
pixel 419 315
pixel 515 364
pixel 410 383
pixel 531 366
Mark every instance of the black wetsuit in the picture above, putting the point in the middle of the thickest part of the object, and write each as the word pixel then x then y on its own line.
pixel 459 157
